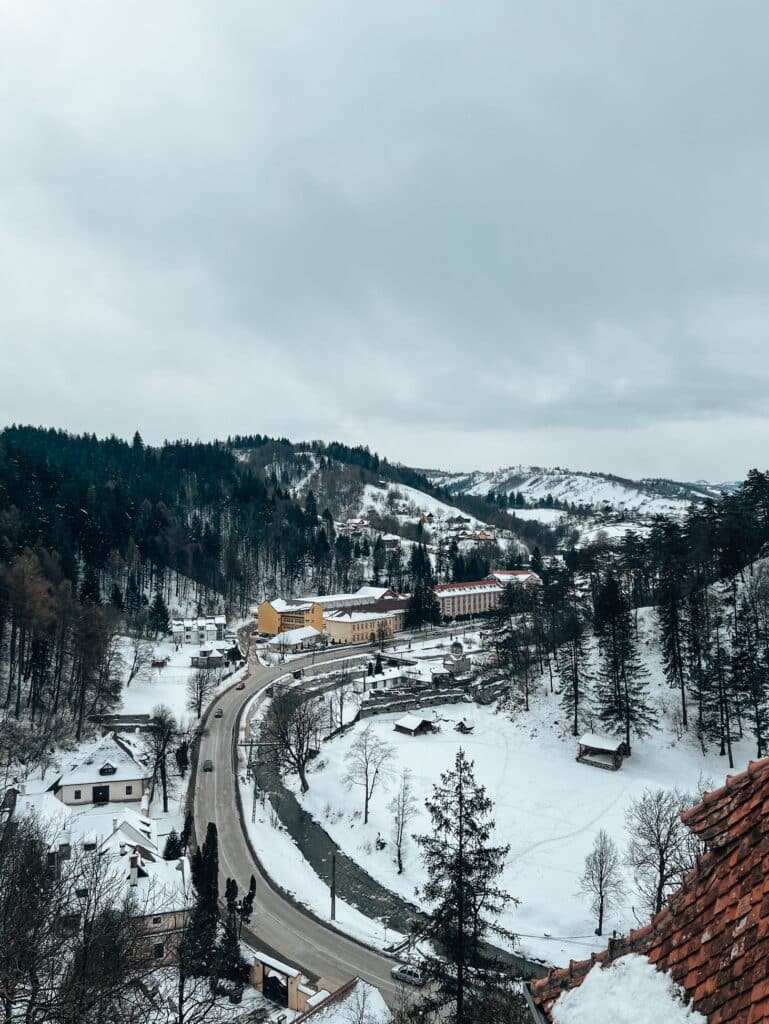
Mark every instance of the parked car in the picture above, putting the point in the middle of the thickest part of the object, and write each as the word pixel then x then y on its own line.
pixel 208 766
pixel 240 686
pixel 218 713
pixel 408 974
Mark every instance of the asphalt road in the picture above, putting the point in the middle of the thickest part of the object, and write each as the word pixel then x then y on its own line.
pixel 297 937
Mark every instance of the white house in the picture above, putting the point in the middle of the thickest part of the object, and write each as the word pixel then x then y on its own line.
pixel 200 630
pixel 117 767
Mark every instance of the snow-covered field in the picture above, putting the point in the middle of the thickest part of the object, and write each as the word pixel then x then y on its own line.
pixel 567 485
pixel 550 516
pixel 547 807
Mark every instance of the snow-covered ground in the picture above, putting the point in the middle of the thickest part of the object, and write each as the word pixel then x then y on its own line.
pixel 550 516
pixel 547 807
pixel 416 501
pixel 567 485
pixel 286 866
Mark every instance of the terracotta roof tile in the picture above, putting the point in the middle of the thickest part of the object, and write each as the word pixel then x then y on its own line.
pixel 713 936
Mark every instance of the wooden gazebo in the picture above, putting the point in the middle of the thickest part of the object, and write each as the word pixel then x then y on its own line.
pixel 602 751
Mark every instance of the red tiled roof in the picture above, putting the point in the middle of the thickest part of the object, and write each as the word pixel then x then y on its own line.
pixel 713 935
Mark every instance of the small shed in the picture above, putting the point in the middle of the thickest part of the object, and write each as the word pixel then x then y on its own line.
pixel 602 751
pixel 464 727
pixel 412 725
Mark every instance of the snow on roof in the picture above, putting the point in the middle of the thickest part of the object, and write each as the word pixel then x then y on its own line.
pixel 290 606
pixel 340 615
pixel 630 991
pixel 127 755
pixel 460 589
pixel 276 965
pixel 294 636
pixel 592 739
pixel 514 575
pixel 412 722
pixel 162 886
pixel 356 1000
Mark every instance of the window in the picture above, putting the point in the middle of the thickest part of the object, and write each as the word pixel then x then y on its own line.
pixel 159 950
pixel 78 794
pixel 157 918
pixel 129 790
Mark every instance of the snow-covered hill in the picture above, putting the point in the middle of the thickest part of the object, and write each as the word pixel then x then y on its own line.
pixel 574 487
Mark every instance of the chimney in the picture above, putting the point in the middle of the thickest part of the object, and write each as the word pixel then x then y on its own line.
pixel 134 869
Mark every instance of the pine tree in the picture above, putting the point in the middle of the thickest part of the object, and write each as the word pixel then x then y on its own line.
pixel 620 696
pixel 423 608
pixel 462 867
pixel 158 621
pixel 231 965
pixel 173 847
pixel 750 678
pixel 89 588
pixel 199 946
pixel 574 670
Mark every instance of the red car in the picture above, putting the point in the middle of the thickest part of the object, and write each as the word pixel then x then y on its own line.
pixel 240 686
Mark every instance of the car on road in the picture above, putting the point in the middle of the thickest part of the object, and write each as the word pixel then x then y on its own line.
pixel 218 713
pixel 240 686
pixel 408 974
pixel 208 766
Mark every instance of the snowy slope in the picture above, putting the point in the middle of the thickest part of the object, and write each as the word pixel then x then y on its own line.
pixel 406 503
pixel 547 807
pixel 659 497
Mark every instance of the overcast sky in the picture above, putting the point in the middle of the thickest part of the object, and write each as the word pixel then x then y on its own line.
pixel 467 234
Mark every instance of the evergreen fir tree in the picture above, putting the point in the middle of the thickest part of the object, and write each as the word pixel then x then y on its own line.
pixel 173 847
pixel 750 678
pixel 462 866
pixel 199 946
pixel 158 621
pixel 231 965
pixel 574 670
pixel 89 588
pixel 621 698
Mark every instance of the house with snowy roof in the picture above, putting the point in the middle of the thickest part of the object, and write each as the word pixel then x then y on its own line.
pixel 200 630
pixel 710 941
pixel 356 1000
pixel 116 767
pixel 126 845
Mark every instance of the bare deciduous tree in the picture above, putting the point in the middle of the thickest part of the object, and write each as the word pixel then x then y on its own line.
pixel 403 808
pixel 72 940
pixel 660 850
pixel 292 726
pixel 201 686
pixel 162 734
pixel 601 880
pixel 368 761
pixel 138 658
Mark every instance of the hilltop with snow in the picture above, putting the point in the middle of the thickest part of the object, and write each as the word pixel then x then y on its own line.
pixel 574 487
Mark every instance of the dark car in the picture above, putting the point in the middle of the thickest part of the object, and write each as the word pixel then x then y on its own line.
pixel 208 766
pixel 240 686
pixel 218 713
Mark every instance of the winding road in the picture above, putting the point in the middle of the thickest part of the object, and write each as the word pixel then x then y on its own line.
pixel 296 937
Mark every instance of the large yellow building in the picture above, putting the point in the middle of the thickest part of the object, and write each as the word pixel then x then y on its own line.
pixel 280 616
pixel 361 627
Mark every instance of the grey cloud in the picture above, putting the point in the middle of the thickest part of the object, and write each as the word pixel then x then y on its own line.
pixel 523 217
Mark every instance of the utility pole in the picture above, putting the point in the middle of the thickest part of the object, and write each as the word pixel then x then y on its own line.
pixel 333 886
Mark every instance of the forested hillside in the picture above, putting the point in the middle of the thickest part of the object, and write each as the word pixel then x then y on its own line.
pixel 708 582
